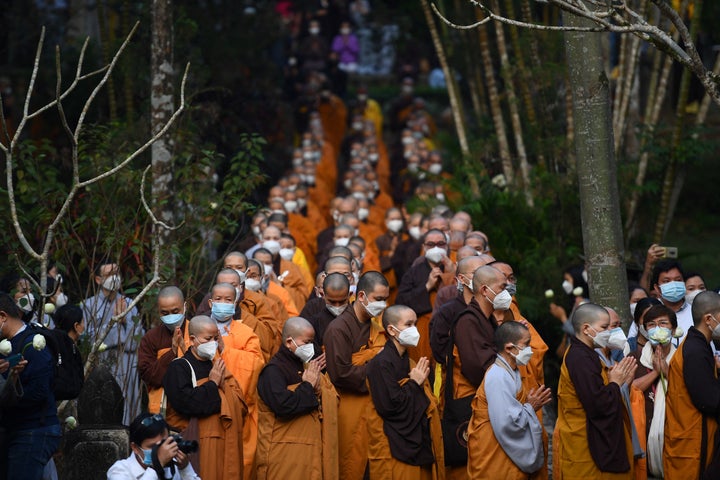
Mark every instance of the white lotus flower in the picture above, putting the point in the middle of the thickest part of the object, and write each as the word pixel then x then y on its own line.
pixel 102 347
pixel 5 347
pixel 49 308
pixel 71 422
pixel 577 291
pixel 39 342
pixel 679 332
pixel 549 293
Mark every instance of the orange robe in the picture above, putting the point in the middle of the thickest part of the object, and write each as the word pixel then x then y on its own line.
pixel 571 453
pixel 244 359
pixel 486 457
pixel 684 425
pixel 281 294
pixel 294 283
pixel 220 436
pixel 304 232
pixel 327 166
pixel 263 308
pixel 268 337
pixel 309 440
pixel 382 463
pixel 300 260
pixel 353 414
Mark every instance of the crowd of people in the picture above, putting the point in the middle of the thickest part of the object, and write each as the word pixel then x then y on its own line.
pixel 350 338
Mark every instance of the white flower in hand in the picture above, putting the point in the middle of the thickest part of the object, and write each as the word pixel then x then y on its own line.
pixel 49 308
pixel 549 293
pixel 5 347
pixel 71 422
pixel 577 291
pixel 38 342
pixel 102 347
pixel 679 332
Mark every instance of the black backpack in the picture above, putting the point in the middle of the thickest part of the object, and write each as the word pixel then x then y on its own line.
pixel 69 375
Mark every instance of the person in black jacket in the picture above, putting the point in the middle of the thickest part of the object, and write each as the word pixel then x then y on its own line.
pixel 69 319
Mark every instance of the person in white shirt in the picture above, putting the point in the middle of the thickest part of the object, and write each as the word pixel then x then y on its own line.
pixel 155 455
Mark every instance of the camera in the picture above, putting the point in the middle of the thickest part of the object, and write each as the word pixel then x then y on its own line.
pixel 185 446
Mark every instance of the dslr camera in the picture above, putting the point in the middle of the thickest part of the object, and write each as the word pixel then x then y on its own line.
pixel 185 446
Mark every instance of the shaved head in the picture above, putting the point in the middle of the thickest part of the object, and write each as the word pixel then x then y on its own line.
pixel 486 275
pixel 171 291
pixel 336 282
pixel 464 252
pixel 199 324
pixel 339 251
pixel 296 326
pixel 705 303
pixel 392 315
pixel 223 286
pixel 590 313
pixel 468 265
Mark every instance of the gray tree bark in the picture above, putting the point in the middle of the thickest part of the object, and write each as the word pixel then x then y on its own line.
pixel 597 173
pixel 162 106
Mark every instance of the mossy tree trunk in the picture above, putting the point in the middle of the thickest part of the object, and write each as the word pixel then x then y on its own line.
pixel 596 169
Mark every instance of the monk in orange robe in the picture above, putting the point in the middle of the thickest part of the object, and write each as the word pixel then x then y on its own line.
pixel 207 404
pixel 351 341
pixel 505 435
pixel 592 433
pixel 693 397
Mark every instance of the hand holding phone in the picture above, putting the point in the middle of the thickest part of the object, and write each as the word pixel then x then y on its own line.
pixel 14 359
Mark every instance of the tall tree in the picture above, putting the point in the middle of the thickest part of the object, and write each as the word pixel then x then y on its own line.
pixel 162 106
pixel 597 177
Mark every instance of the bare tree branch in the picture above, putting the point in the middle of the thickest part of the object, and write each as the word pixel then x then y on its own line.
pixel 147 207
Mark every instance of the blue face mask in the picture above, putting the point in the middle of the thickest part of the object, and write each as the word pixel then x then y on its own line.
pixel 222 312
pixel 147 457
pixel 673 291
pixel 173 320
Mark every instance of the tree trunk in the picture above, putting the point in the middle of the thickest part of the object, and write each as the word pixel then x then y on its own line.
pixel 128 86
pixel 597 174
pixel 495 108
pixel 162 106
pixel 514 111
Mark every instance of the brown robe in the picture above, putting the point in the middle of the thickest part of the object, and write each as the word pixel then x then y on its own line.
pixel 219 412
pixel 154 356
pixel 403 421
pixel 297 437
pixel 349 346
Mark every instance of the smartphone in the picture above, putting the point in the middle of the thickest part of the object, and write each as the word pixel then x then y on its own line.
pixel 14 359
pixel 670 252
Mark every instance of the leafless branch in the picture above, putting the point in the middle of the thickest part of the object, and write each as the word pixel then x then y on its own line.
pixel 147 208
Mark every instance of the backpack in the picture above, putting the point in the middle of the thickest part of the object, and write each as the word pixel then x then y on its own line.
pixel 69 376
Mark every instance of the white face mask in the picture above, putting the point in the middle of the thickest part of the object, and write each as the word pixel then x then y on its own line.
pixel 502 300
pixel 524 355
pixel 342 242
pixel 363 213
pixel 375 308
pixel 435 254
pixel 112 283
pixel 690 297
pixel 241 274
pixel 268 269
pixel 617 339
pixel 26 302
pixel 252 284
pixel 336 310
pixel 415 232
pixel 435 168
pixel 408 337
pixel 601 339
pixel 394 225
pixel 643 332
pixel 291 205
pixel 256 230
pixel 567 287
pixel 304 352
pixel 207 350
pixel 60 300
pixel 632 308
pixel 287 254
pixel 273 246
pixel 716 330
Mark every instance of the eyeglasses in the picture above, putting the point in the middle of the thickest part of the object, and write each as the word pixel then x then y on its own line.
pixel 435 244
pixel 146 422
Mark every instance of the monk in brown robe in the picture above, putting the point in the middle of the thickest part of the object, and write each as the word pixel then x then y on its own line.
pixel 592 433
pixel 162 344
pixel 693 397
pixel 404 422
pixel 297 436
pixel 207 404
pixel 335 300
pixel 420 284
pixel 352 340
pixel 505 435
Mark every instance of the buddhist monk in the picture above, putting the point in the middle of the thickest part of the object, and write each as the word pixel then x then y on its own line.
pixel 162 344
pixel 241 351
pixel 336 297
pixel 200 389
pixel 352 340
pixel 253 302
pixel 693 396
pixel 271 283
pixel 297 436
pixel 286 273
pixel 420 284
pixel 592 433
pixel 505 435
pixel 403 423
